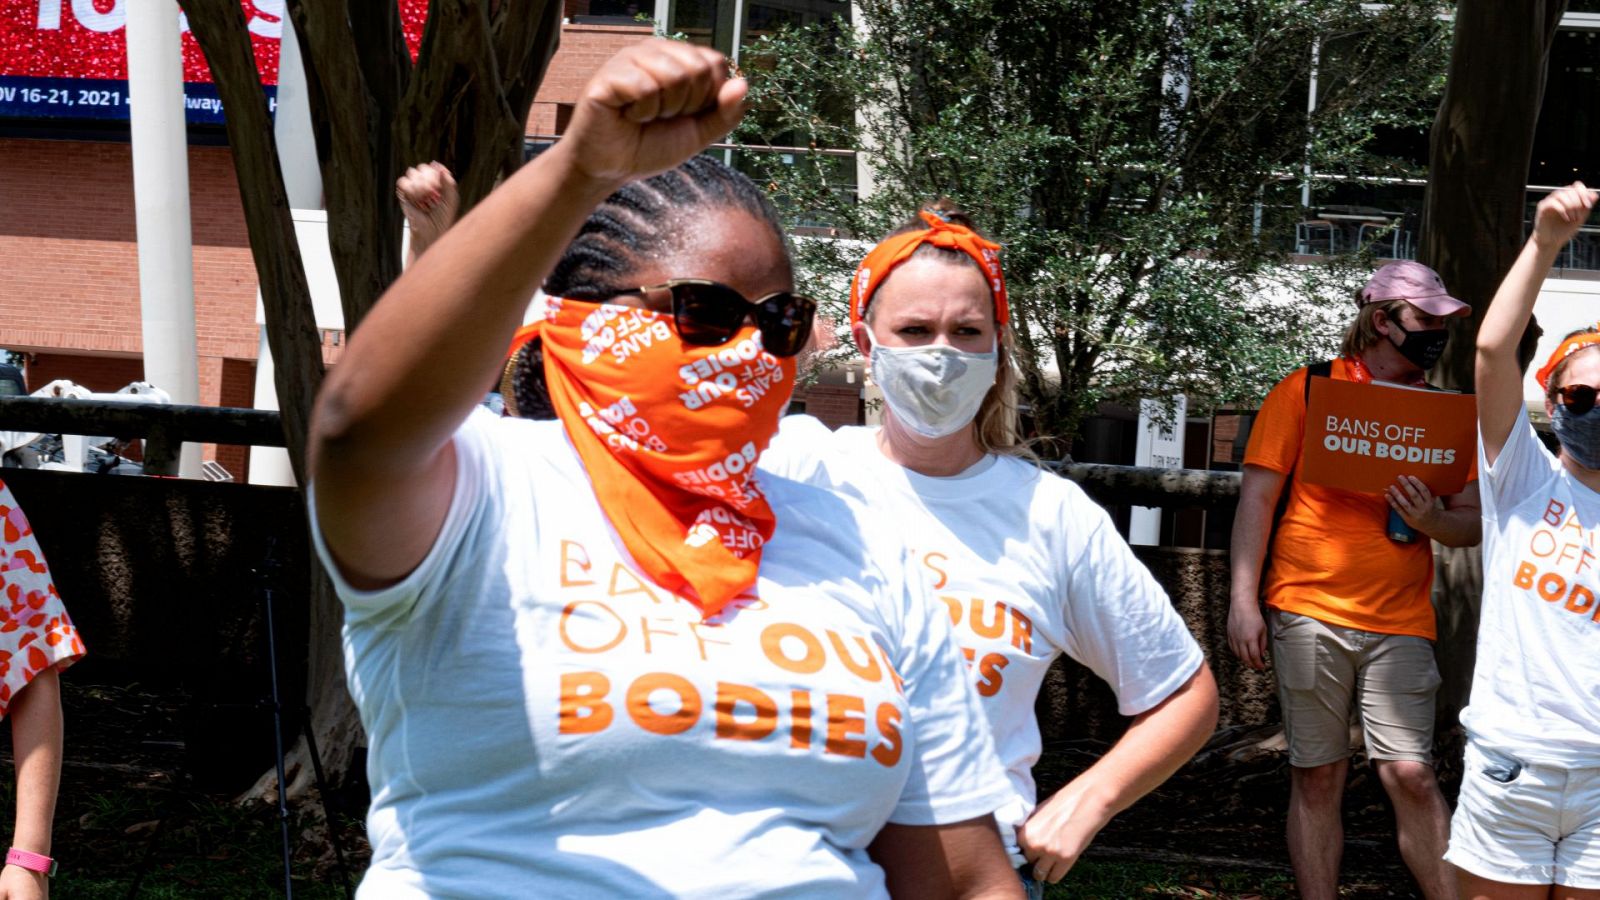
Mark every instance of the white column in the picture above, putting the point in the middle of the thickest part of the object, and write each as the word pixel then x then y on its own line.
pixel 268 465
pixel 297 146
pixel 161 205
pixel 297 154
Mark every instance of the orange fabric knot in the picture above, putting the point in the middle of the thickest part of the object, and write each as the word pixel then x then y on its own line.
pixel 1568 347
pixel 898 248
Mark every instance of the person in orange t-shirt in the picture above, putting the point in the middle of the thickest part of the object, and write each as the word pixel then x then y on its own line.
pixel 1349 613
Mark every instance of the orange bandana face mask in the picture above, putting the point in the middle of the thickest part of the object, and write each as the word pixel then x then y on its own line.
pixel 669 434
pixel 945 235
pixel 1568 347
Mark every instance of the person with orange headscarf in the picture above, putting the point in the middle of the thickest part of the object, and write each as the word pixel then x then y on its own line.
pixel 594 655
pixel 1023 563
pixel 1527 824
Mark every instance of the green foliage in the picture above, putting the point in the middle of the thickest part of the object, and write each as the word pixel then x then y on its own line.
pixel 1140 162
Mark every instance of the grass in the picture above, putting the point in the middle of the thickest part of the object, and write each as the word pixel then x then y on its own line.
pixel 1121 880
pixel 175 846
pixel 132 812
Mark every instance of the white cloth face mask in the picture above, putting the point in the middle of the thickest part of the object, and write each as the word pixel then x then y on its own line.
pixel 934 390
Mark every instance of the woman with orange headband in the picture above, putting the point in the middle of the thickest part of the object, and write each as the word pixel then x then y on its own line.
pixel 1528 821
pixel 1022 562
pixel 593 655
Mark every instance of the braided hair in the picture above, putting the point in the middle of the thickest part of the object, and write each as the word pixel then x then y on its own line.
pixel 638 220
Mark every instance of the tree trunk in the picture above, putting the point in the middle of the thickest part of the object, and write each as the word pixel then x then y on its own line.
pixel 465 104
pixel 353 75
pixel 1472 231
pixel 292 334
pixel 296 345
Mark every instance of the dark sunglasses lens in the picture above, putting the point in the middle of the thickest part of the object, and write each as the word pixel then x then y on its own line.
pixel 707 314
pixel 1578 398
pixel 785 323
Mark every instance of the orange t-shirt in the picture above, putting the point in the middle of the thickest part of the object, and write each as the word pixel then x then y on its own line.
pixel 1331 557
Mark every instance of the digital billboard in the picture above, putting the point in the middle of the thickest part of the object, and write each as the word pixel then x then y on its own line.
pixel 67 59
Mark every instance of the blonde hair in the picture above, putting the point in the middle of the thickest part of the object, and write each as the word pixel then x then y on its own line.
pixel 997 426
pixel 1558 375
pixel 1362 333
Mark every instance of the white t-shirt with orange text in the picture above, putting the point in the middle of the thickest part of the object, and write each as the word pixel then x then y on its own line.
pixel 544 722
pixel 1536 684
pixel 1026 567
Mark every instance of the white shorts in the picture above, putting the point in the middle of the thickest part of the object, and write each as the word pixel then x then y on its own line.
pixel 1521 823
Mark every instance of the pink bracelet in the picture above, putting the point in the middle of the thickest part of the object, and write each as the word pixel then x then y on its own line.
pixel 33 862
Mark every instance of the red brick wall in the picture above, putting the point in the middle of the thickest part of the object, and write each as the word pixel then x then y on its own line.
pixel 237 388
pixel 101 374
pixel 69 264
pixel 834 405
pixel 583 49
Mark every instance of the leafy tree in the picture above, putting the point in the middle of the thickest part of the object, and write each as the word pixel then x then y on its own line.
pixel 1141 163
pixel 464 101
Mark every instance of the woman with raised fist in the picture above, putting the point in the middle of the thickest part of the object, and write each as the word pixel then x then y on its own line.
pixel 593 654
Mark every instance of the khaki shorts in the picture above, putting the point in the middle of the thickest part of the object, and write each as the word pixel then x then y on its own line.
pixel 1325 670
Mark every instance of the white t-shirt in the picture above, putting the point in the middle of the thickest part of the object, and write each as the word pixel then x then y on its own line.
pixel 544 722
pixel 1027 568
pixel 1536 684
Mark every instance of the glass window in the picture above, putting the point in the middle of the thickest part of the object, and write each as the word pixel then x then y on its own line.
pixel 628 9
pixel 1566 145
pixel 711 22
pixel 765 16
pixel 705 22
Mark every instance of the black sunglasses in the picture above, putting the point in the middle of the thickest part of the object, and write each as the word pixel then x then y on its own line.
pixel 709 314
pixel 1577 398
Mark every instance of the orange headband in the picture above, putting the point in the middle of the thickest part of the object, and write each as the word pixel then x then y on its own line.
pixel 1568 347
pixel 945 235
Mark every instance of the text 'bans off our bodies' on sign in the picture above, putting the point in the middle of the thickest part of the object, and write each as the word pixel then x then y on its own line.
pixel 1361 437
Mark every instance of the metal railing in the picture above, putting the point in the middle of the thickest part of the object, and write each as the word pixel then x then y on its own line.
pixel 164 427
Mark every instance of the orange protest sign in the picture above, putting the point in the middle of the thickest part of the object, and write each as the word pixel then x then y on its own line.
pixel 1361 437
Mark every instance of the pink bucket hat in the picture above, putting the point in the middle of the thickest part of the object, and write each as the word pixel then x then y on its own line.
pixel 1414 283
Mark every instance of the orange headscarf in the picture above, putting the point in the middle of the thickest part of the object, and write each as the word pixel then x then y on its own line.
pixel 1568 347
pixel 669 434
pixel 898 248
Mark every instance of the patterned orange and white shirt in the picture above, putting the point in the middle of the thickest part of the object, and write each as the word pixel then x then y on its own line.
pixel 35 631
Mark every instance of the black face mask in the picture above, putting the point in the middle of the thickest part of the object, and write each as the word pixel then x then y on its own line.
pixel 1422 347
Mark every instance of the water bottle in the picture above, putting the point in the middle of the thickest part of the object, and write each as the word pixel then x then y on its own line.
pixel 1398 530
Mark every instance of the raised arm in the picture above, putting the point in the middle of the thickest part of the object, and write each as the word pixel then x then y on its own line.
pixel 381 454
pixel 1555 222
pixel 429 200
